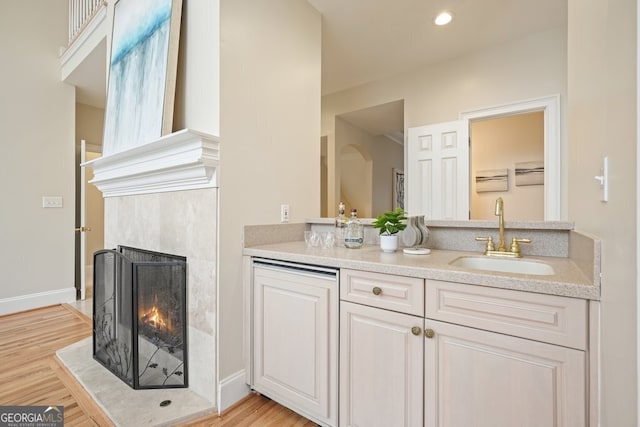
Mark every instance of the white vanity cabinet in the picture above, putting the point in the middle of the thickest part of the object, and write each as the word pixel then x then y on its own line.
pixel 484 357
pixel 374 349
pixel 531 373
pixel 295 338
pixel 381 350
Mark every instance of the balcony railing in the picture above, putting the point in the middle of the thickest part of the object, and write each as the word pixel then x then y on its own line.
pixel 80 13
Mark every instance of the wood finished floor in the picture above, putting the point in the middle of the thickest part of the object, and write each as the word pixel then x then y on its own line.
pixel 32 374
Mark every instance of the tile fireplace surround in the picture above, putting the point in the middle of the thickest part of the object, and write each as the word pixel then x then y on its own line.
pixel 162 197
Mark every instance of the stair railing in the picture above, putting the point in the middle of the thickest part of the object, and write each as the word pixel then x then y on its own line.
pixel 80 14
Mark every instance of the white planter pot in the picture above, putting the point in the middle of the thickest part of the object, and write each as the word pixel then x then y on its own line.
pixel 389 243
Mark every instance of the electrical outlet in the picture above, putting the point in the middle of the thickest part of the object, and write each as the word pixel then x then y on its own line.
pixel 284 213
pixel 51 201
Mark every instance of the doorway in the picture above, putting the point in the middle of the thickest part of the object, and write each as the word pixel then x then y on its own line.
pixel 90 223
pixel 356 174
pixel 553 174
pixel 359 159
pixel 507 161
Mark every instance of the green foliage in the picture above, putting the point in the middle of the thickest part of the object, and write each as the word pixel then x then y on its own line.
pixel 391 222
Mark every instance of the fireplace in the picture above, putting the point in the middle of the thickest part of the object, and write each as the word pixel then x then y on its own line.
pixel 139 317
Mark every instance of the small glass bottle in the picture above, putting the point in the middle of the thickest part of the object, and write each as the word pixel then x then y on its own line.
pixel 341 224
pixel 354 233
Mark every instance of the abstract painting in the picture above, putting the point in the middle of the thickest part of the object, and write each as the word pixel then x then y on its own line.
pixel 530 173
pixel 492 180
pixel 142 70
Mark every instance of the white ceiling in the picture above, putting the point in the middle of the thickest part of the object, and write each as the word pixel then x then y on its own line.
pixel 384 119
pixel 366 40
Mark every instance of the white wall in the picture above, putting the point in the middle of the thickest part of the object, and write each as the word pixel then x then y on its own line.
pixel 270 136
pixel 37 122
pixel 523 69
pixel 602 72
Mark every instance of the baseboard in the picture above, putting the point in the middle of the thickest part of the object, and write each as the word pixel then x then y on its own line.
pixel 231 390
pixel 37 300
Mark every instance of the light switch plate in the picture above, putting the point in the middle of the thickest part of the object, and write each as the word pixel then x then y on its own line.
pixel 284 213
pixel 603 179
pixel 51 201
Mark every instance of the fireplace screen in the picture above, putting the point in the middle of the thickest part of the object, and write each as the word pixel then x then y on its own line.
pixel 139 317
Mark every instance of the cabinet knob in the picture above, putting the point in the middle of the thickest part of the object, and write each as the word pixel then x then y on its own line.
pixel 416 330
pixel 377 291
pixel 429 333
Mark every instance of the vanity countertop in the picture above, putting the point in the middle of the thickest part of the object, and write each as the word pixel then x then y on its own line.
pixel 568 280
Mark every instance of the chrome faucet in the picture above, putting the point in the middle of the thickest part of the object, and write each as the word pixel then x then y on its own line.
pixel 514 248
pixel 500 214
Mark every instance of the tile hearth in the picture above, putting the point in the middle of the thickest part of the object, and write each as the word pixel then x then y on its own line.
pixel 123 405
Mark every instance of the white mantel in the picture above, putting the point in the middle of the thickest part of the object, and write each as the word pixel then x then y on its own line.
pixel 183 160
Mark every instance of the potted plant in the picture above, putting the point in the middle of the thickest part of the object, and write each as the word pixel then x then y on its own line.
pixel 390 223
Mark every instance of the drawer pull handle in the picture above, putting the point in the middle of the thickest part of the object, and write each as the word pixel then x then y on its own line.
pixel 429 333
pixel 377 291
pixel 416 330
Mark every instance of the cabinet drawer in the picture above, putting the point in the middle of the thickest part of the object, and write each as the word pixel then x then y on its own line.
pixel 398 293
pixel 548 318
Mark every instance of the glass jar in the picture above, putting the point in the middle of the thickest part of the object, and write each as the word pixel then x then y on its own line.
pixel 354 232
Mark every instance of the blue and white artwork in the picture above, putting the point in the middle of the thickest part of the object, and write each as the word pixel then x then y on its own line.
pixel 138 74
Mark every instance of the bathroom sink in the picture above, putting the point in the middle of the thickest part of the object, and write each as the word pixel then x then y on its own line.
pixel 504 265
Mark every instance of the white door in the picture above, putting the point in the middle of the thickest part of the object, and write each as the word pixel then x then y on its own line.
pixel 484 379
pixel 83 221
pixel 381 367
pixel 91 219
pixel 438 170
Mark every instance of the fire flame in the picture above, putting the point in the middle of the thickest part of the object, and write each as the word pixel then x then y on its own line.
pixel 154 318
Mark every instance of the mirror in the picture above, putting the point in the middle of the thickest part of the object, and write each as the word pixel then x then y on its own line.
pixel 529 66
pixel 514 138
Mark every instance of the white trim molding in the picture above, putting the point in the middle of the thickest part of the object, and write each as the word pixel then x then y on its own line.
pixel 231 390
pixel 37 300
pixel 94 31
pixel 183 160
pixel 553 162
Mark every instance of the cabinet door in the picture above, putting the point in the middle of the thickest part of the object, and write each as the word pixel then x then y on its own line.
pixel 381 367
pixel 484 379
pixel 295 342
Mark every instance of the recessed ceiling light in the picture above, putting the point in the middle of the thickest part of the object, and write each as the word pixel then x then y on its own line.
pixel 443 18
